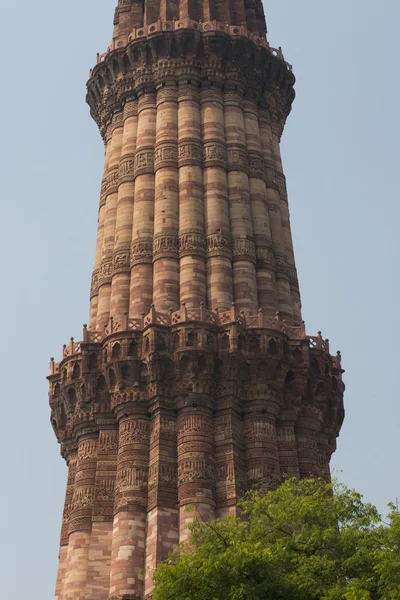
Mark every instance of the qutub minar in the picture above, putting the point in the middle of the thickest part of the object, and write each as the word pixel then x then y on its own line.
pixel 195 379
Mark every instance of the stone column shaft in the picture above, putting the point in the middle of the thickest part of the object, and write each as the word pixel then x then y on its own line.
pixel 196 469
pixel 163 516
pixel 287 445
pixel 266 283
pixel 94 291
pixel 244 252
pixel 120 287
pixel 307 446
pixel 98 579
pixel 64 539
pixel 217 221
pixel 263 469
pixel 281 182
pixel 230 466
pixel 80 525
pixel 166 219
pixel 141 293
pixel 103 310
pixel 129 532
pixel 191 201
pixel 275 219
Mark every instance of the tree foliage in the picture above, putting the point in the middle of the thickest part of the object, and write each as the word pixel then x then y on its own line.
pixel 308 540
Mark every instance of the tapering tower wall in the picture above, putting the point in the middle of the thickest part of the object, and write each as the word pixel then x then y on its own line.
pixel 195 379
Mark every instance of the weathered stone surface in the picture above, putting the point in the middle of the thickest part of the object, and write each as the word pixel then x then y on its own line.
pixel 195 380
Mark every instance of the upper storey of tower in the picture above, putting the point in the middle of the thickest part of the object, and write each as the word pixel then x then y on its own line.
pixel 130 14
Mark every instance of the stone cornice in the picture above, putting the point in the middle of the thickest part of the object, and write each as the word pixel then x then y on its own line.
pixel 214 56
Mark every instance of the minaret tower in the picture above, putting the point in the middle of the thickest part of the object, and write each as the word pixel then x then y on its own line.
pixel 195 379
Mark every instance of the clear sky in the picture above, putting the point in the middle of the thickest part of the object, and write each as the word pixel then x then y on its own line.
pixel 341 156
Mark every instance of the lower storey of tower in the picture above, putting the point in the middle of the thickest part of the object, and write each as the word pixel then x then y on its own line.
pixel 172 421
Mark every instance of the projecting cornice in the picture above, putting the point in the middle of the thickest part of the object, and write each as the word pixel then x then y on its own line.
pixel 220 56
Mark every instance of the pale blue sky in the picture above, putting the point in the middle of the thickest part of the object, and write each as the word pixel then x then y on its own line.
pixel 341 155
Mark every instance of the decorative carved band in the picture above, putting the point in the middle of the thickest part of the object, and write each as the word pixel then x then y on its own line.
pixel 193 470
pixel 124 6
pixel 109 184
pixel 144 161
pixel 167 94
pixel 219 244
pixel 142 252
pixel 188 92
pixel 233 98
pixel 265 258
pixel 238 159
pixel 214 154
pixel 121 261
pixel 256 165
pixel 281 183
pixel 94 288
pixel 192 243
pixel 165 246
pixel 210 94
pixel 117 122
pixel 130 109
pixel 282 269
pixel 165 155
pixel 190 153
pixel 274 178
pixel 133 431
pixel 293 277
pixel 147 100
pixel 105 272
pixel 126 169
pixel 244 250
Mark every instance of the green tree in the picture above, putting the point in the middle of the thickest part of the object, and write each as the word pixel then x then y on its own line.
pixel 308 540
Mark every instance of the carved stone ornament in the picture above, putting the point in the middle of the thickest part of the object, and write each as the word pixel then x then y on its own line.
pixel 165 246
pixel 219 244
pixel 126 171
pixel 109 184
pixel 121 261
pixel 190 153
pixel 244 250
pixel 214 154
pixel 238 160
pixel 191 243
pixel 165 155
pixel 142 252
pixel 105 272
pixel 144 161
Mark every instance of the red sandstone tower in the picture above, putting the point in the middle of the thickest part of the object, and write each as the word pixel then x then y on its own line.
pixel 195 379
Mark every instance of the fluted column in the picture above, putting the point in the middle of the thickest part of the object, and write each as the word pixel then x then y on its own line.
pixel 105 184
pixel 129 532
pixel 287 444
pixel 244 252
pixel 307 428
pixel 103 310
pixel 120 286
pixel 281 183
pixel 141 293
pixel 218 234
pixel 191 199
pixel 230 464
pixel 263 469
pixel 196 469
pixel 98 579
pixel 64 539
pixel 275 218
pixel 80 525
pixel 166 217
pixel 266 283
pixel 163 516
